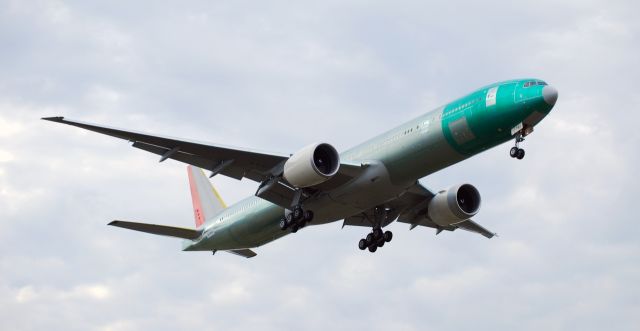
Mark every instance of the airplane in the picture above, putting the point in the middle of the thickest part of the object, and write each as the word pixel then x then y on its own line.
pixel 369 185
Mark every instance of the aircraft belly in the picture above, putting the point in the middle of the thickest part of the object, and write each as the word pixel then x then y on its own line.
pixel 372 188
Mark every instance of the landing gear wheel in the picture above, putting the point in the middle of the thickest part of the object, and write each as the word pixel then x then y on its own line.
pixel 283 223
pixel 520 154
pixel 381 242
pixel 297 213
pixel 388 235
pixel 373 248
pixel 302 224
pixel 514 151
pixel 307 216
pixel 294 228
pixel 377 233
pixel 369 239
pixel 362 244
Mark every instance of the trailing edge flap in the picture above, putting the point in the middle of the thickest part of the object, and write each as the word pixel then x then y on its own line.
pixel 162 230
pixel 243 252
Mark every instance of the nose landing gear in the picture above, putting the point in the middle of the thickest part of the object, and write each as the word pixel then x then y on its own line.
pixel 522 131
pixel 517 152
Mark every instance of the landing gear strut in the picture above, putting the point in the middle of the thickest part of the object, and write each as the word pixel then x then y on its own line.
pixel 521 130
pixel 376 238
pixel 297 218
pixel 516 151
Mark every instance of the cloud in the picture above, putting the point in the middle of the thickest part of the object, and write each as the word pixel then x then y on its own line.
pixel 277 76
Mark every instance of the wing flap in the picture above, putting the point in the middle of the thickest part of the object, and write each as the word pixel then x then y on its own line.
pixel 162 230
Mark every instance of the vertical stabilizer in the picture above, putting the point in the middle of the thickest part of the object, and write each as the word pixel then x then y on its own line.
pixel 206 200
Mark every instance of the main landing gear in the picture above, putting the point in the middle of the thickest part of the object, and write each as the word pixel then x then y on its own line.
pixel 375 239
pixel 296 219
pixel 517 152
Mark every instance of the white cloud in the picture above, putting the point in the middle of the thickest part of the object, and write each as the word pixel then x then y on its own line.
pixel 303 72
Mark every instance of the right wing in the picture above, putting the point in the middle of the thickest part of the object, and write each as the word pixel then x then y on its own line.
pixel 411 208
pixel 242 252
pixel 416 215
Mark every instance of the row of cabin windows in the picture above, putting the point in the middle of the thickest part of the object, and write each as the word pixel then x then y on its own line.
pixel 534 83
pixel 243 208
pixel 392 139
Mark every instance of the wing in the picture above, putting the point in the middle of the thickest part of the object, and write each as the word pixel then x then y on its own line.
pixel 413 200
pixel 411 208
pixel 229 161
pixel 265 168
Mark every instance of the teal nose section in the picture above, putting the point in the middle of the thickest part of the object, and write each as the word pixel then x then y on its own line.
pixel 550 95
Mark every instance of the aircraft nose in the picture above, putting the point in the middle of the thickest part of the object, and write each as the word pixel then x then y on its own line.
pixel 550 95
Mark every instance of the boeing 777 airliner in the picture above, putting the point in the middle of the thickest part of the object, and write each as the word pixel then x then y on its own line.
pixel 370 185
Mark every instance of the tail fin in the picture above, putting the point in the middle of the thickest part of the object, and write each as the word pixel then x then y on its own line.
pixel 206 200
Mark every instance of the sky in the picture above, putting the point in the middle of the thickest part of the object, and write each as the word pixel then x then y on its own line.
pixel 276 76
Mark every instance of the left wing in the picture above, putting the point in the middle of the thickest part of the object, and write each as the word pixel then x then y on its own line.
pixel 265 168
pixel 411 208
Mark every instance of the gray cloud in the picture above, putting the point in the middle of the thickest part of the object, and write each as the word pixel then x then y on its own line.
pixel 277 76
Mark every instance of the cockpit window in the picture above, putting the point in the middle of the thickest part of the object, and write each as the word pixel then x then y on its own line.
pixel 534 83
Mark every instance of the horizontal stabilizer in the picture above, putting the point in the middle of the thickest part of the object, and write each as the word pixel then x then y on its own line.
pixel 162 230
pixel 243 252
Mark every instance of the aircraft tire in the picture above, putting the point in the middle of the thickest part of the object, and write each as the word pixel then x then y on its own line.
pixel 377 233
pixel 388 235
pixel 520 155
pixel 283 223
pixel 297 213
pixel 369 239
pixel 294 228
pixel 307 216
pixel 514 151
pixel 373 248
pixel 362 244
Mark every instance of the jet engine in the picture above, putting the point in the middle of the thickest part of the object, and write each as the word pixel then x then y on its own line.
pixel 312 165
pixel 454 205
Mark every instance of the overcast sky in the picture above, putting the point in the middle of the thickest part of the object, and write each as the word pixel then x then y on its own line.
pixel 275 76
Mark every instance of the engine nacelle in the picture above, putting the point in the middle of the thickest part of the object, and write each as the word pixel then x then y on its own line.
pixel 312 165
pixel 456 204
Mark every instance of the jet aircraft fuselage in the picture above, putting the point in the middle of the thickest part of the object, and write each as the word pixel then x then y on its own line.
pixel 395 160
pixel 372 184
